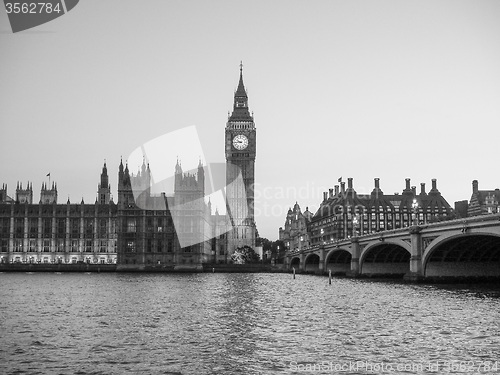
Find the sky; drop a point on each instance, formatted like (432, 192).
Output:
(364, 89)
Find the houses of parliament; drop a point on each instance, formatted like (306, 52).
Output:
(140, 229)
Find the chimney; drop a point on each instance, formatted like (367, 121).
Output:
(377, 183)
(407, 184)
(475, 187)
(414, 190)
(342, 187)
(434, 184)
(331, 192)
(349, 183)
(324, 195)
(422, 188)
(336, 189)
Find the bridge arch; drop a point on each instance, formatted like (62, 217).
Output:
(311, 263)
(295, 263)
(338, 261)
(388, 258)
(463, 255)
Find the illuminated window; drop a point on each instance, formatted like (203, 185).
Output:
(131, 226)
(130, 247)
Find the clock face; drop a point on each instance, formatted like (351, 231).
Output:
(240, 142)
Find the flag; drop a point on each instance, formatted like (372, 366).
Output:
(340, 179)
(48, 174)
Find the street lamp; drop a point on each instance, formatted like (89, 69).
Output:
(414, 206)
(355, 222)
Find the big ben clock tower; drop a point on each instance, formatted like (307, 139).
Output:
(240, 171)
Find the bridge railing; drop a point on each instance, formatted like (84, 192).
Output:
(463, 220)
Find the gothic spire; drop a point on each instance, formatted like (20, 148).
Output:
(178, 168)
(240, 107)
(240, 91)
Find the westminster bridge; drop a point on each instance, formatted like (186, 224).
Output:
(467, 247)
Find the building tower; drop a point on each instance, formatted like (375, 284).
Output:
(24, 195)
(3, 193)
(104, 189)
(129, 222)
(240, 161)
(48, 196)
(189, 213)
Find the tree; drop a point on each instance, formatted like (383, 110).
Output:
(278, 250)
(267, 246)
(264, 242)
(245, 255)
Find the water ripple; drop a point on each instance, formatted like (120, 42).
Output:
(237, 323)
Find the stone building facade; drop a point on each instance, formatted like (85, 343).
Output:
(343, 212)
(483, 202)
(48, 232)
(141, 229)
(294, 234)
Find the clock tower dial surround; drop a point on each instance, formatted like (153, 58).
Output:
(240, 147)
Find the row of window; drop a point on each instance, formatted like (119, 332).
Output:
(158, 246)
(158, 225)
(373, 218)
(45, 226)
(73, 260)
(241, 125)
(34, 246)
(364, 215)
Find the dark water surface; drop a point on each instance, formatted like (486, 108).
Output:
(242, 324)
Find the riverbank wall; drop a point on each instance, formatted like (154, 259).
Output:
(90, 267)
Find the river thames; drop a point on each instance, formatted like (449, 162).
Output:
(83, 323)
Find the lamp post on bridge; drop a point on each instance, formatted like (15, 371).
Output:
(355, 222)
(416, 248)
(354, 269)
(414, 207)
